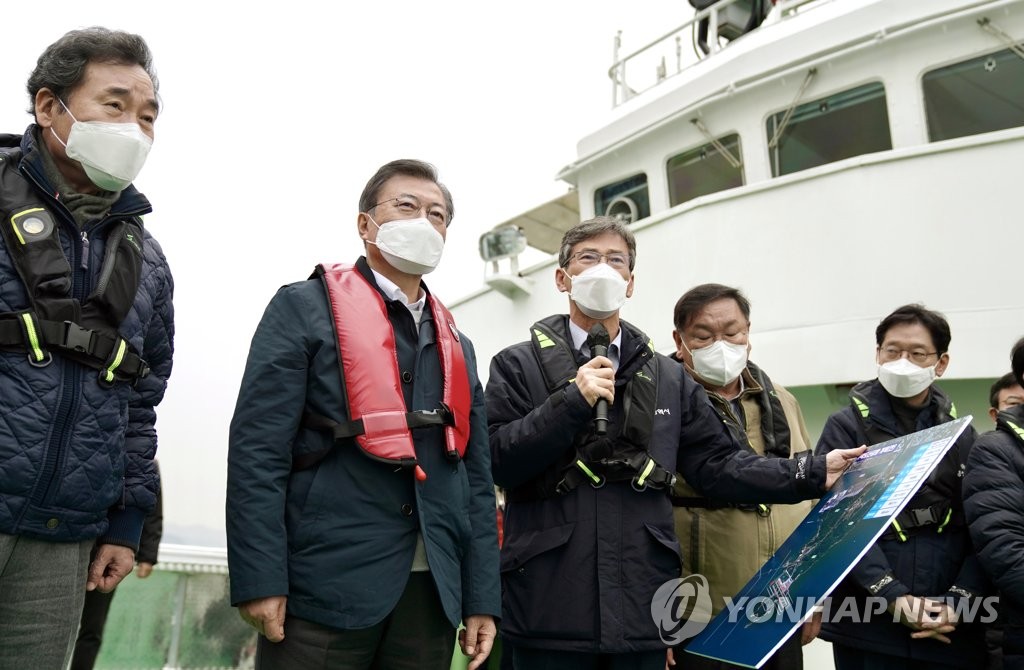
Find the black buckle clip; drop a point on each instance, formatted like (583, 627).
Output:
(923, 517)
(77, 338)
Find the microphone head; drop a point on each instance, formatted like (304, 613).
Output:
(598, 336)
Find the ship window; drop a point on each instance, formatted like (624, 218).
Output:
(976, 96)
(626, 199)
(846, 124)
(704, 170)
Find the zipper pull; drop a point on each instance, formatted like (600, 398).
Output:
(85, 251)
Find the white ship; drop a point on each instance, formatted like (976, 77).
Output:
(840, 159)
(843, 158)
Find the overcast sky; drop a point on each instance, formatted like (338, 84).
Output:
(276, 114)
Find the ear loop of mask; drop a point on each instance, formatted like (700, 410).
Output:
(54, 132)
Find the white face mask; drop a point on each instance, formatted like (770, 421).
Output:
(412, 246)
(112, 154)
(599, 291)
(721, 363)
(903, 379)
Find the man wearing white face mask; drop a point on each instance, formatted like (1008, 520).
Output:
(360, 506)
(588, 522)
(924, 563)
(728, 543)
(86, 338)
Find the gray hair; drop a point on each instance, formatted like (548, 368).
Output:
(61, 67)
(596, 227)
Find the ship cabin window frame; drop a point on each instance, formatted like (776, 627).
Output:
(970, 96)
(704, 160)
(627, 198)
(821, 143)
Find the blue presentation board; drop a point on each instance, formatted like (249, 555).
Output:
(824, 547)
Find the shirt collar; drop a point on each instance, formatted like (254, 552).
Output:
(579, 342)
(392, 292)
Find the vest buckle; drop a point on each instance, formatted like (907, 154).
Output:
(77, 338)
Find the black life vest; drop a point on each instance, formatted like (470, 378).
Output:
(596, 460)
(57, 322)
(371, 382)
(774, 426)
(937, 504)
(1010, 422)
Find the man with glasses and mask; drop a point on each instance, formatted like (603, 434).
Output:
(924, 563)
(728, 543)
(588, 426)
(360, 505)
(86, 333)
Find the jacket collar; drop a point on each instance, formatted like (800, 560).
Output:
(131, 202)
(880, 403)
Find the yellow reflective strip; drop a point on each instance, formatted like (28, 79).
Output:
(864, 411)
(899, 530)
(583, 466)
(1017, 429)
(543, 340)
(33, 338)
(118, 359)
(647, 472)
(949, 515)
(952, 411)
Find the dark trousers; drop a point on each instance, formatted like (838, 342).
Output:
(545, 659)
(415, 636)
(849, 658)
(790, 656)
(90, 630)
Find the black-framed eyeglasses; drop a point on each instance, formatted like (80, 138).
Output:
(409, 205)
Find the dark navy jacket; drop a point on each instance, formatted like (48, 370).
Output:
(928, 563)
(338, 539)
(994, 503)
(76, 459)
(579, 571)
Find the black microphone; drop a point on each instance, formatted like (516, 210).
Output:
(598, 341)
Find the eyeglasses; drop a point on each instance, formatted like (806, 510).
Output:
(589, 257)
(409, 205)
(918, 356)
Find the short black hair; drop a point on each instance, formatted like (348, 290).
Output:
(595, 227)
(933, 321)
(61, 67)
(699, 296)
(1017, 361)
(1001, 384)
(408, 167)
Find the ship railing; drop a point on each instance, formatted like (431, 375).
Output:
(656, 55)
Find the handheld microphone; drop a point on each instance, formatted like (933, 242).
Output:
(598, 341)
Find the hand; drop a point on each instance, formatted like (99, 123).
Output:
(266, 615)
(928, 618)
(811, 628)
(670, 659)
(111, 564)
(477, 638)
(836, 462)
(596, 379)
(143, 570)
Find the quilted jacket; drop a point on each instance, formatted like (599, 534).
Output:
(76, 458)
